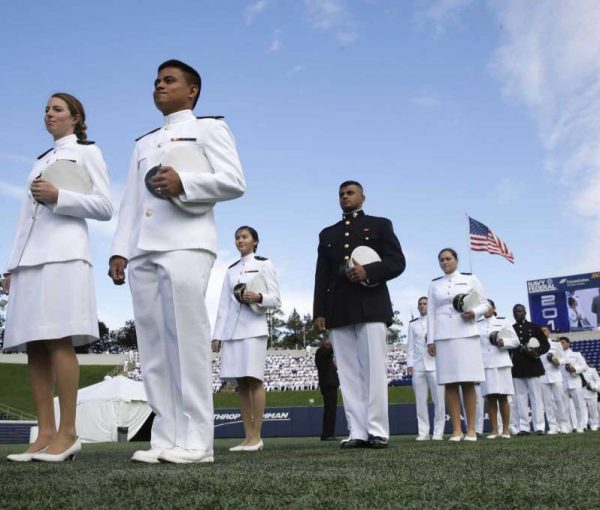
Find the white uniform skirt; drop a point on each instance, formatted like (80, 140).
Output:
(498, 381)
(459, 360)
(244, 357)
(49, 302)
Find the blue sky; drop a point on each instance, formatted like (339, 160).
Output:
(439, 107)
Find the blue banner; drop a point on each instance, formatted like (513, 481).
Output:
(566, 303)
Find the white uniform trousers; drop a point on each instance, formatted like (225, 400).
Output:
(576, 405)
(556, 414)
(514, 414)
(592, 411)
(479, 410)
(529, 387)
(423, 382)
(173, 332)
(361, 356)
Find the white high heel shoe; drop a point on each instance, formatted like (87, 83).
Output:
(23, 457)
(252, 448)
(237, 448)
(68, 454)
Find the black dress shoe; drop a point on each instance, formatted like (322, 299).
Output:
(353, 443)
(522, 433)
(539, 433)
(329, 438)
(378, 442)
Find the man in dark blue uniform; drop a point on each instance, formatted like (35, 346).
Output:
(354, 304)
(527, 372)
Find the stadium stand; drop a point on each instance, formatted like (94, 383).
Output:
(291, 370)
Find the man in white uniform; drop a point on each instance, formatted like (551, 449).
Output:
(421, 367)
(591, 388)
(552, 390)
(573, 364)
(169, 253)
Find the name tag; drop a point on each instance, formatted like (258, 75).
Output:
(183, 139)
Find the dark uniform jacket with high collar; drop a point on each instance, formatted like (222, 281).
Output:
(523, 364)
(328, 375)
(341, 301)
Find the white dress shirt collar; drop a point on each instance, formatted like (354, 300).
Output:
(180, 116)
(248, 257)
(65, 140)
(452, 275)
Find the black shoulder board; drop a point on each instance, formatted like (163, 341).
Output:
(43, 154)
(467, 274)
(145, 134)
(85, 142)
(258, 257)
(233, 264)
(414, 320)
(436, 279)
(218, 117)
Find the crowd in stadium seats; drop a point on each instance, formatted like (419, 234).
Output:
(291, 371)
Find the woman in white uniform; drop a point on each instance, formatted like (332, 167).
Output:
(497, 336)
(242, 329)
(52, 301)
(453, 338)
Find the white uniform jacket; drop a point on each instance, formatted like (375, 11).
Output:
(572, 380)
(417, 356)
(593, 380)
(147, 223)
(58, 232)
(236, 320)
(443, 321)
(496, 357)
(553, 373)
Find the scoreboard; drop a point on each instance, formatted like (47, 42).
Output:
(566, 303)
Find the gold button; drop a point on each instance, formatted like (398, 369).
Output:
(159, 145)
(366, 238)
(346, 245)
(346, 257)
(347, 223)
(167, 128)
(346, 234)
(354, 215)
(148, 213)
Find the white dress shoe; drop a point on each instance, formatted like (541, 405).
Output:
(237, 448)
(147, 456)
(68, 454)
(493, 436)
(456, 439)
(422, 438)
(470, 439)
(552, 432)
(505, 436)
(252, 447)
(182, 456)
(22, 457)
(437, 437)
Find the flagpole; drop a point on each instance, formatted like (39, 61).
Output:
(469, 243)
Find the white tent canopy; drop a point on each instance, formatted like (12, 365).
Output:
(107, 405)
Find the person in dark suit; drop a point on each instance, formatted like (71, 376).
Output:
(328, 384)
(527, 371)
(354, 304)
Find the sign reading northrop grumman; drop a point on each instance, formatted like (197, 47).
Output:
(566, 303)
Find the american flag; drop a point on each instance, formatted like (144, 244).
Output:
(483, 239)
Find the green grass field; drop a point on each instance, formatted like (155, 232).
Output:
(521, 473)
(15, 392)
